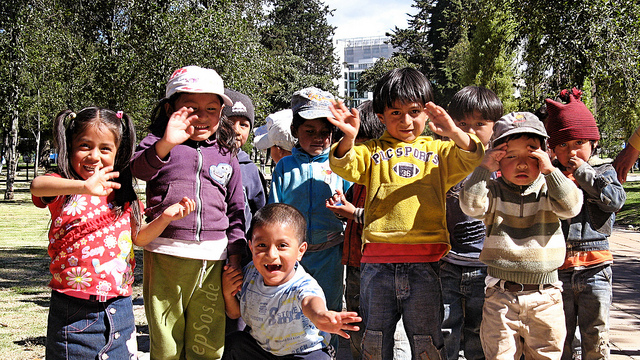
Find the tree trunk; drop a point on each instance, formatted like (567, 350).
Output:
(14, 98)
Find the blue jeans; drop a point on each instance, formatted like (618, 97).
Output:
(85, 329)
(587, 298)
(463, 296)
(241, 345)
(410, 290)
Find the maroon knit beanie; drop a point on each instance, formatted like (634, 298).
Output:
(570, 121)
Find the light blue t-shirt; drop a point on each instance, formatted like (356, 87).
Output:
(274, 313)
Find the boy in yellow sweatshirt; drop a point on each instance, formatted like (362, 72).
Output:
(405, 233)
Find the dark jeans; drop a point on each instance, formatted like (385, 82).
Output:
(463, 295)
(241, 346)
(84, 329)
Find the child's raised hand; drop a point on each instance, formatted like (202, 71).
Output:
(339, 205)
(179, 127)
(491, 159)
(544, 161)
(231, 281)
(440, 121)
(337, 322)
(347, 121)
(100, 183)
(179, 210)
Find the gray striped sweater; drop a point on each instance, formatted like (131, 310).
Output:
(524, 242)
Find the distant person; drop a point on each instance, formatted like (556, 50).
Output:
(475, 110)
(524, 244)
(586, 273)
(284, 306)
(275, 135)
(404, 233)
(190, 152)
(95, 217)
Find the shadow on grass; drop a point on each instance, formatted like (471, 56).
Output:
(24, 267)
(32, 341)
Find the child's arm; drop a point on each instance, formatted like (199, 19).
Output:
(348, 122)
(231, 285)
(442, 124)
(329, 321)
(340, 206)
(98, 184)
(475, 199)
(602, 185)
(152, 230)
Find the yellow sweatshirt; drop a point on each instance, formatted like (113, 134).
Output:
(406, 185)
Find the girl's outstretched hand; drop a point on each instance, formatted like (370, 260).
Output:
(100, 183)
(348, 121)
(179, 127)
(179, 210)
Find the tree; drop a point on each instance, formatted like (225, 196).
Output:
(300, 28)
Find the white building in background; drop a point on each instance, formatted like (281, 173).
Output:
(357, 55)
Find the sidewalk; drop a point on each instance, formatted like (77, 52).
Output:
(625, 312)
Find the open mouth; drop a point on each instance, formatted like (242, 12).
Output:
(89, 168)
(200, 127)
(273, 267)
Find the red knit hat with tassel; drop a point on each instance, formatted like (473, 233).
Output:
(570, 121)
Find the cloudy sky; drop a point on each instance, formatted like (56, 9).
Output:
(364, 18)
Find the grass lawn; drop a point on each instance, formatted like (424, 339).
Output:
(629, 215)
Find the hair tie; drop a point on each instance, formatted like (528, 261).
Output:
(71, 115)
(119, 114)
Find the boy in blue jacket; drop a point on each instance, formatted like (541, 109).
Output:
(305, 180)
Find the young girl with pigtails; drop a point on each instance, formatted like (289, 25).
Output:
(190, 152)
(95, 218)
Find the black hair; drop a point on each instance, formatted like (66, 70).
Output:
(475, 98)
(225, 135)
(68, 125)
(279, 213)
(370, 125)
(405, 85)
(526, 135)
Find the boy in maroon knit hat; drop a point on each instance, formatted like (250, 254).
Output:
(586, 272)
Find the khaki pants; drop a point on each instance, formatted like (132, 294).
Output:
(186, 320)
(529, 322)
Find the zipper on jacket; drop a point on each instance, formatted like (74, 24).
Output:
(198, 197)
(521, 201)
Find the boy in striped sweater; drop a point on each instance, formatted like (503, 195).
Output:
(524, 245)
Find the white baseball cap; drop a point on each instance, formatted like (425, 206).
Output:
(197, 80)
(276, 132)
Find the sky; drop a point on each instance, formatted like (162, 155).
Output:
(367, 18)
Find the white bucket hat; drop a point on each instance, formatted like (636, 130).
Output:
(197, 80)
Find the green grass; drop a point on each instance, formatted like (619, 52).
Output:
(628, 215)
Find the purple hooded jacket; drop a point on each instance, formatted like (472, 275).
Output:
(200, 171)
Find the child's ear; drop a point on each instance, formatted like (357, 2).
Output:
(294, 131)
(381, 118)
(302, 249)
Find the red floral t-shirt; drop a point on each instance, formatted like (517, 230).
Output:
(90, 247)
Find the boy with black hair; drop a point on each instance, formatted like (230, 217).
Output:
(283, 306)
(405, 233)
(524, 244)
(475, 110)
